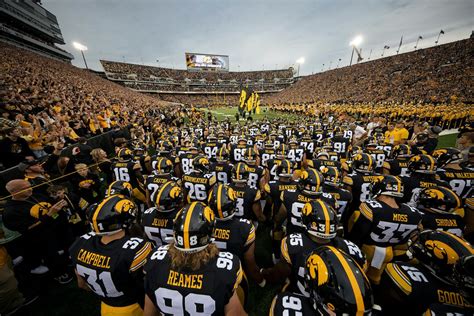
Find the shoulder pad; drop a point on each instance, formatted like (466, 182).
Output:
(366, 211)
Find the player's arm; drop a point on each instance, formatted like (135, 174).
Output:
(359, 224)
(234, 307)
(150, 309)
(282, 269)
(257, 208)
(251, 267)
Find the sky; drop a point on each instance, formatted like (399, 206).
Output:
(257, 34)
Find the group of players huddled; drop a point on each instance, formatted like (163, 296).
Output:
(357, 228)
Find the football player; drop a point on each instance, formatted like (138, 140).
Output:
(162, 172)
(340, 144)
(381, 226)
(320, 225)
(125, 169)
(257, 174)
(427, 285)
(332, 185)
(108, 261)
(185, 159)
(324, 267)
(237, 151)
(190, 276)
(397, 164)
(222, 168)
(198, 183)
(442, 210)
(157, 221)
(210, 147)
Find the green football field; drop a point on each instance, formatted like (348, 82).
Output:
(69, 300)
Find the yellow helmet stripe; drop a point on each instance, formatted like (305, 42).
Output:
(189, 214)
(461, 242)
(326, 215)
(219, 201)
(96, 213)
(352, 279)
(399, 185)
(370, 161)
(432, 162)
(159, 164)
(160, 192)
(336, 175)
(238, 170)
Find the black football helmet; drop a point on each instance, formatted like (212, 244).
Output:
(250, 156)
(363, 163)
(332, 176)
(400, 151)
(169, 197)
(222, 200)
(162, 166)
(113, 214)
(240, 173)
(438, 250)
(463, 277)
(388, 185)
(320, 219)
(201, 164)
(310, 181)
(438, 200)
(193, 227)
(337, 284)
(222, 154)
(124, 154)
(424, 164)
(446, 156)
(284, 168)
(119, 187)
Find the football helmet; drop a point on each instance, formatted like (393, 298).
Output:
(463, 277)
(124, 154)
(446, 156)
(388, 185)
(337, 284)
(240, 173)
(310, 181)
(422, 164)
(162, 166)
(284, 168)
(438, 200)
(400, 151)
(201, 164)
(331, 175)
(113, 214)
(320, 219)
(222, 200)
(119, 187)
(193, 227)
(169, 197)
(164, 148)
(250, 156)
(222, 154)
(282, 151)
(363, 163)
(438, 250)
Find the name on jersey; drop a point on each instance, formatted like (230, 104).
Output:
(239, 194)
(302, 198)
(94, 259)
(460, 175)
(221, 233)
(282, 187)
(159, 222)
(451, 298)
(400, 217)
(446, 222)
(424, 184)
(370, 178)
(190, 281)
(195, 179)
(159, 180)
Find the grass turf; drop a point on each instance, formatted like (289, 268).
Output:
(69, 300)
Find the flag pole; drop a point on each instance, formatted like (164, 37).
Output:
(400, 45)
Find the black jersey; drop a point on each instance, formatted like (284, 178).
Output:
(360, 186)
(460, 181)
(342, 197)
(379, 156)
(450, 222)
(256, 173)
(272, 165)
(235, 235)
(112, 271)
(319, 136)
(267, 154)
(295, 249)
(309, 146)
(397, 167)
(154, 182)
(237, 152)
(291, 304)
(176, 291)
(197, 186)
(126, 171)
(341, 145)
(158, 225)
(222, 170)
(296, 154)
(415, 183)
(210, 149)
(408, 289)
(274, 190)
(246, 197)
(318, 163)
(294, 201)
(185, 162)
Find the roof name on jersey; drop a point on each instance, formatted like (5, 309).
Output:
(195, 179)
(190, 281)
(159, 222)
(221, 233)
(94, 259)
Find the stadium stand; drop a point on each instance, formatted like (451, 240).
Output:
(435, 74)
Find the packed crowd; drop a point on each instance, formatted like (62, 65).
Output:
(201, 87)
(434, 74)
(44, 102)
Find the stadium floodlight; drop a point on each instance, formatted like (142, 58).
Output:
(82, 48)
(354, 43)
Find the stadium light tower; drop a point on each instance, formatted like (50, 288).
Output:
(299, 61)
(82, 48)
(354, 43)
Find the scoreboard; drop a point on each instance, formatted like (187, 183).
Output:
(207, 62)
